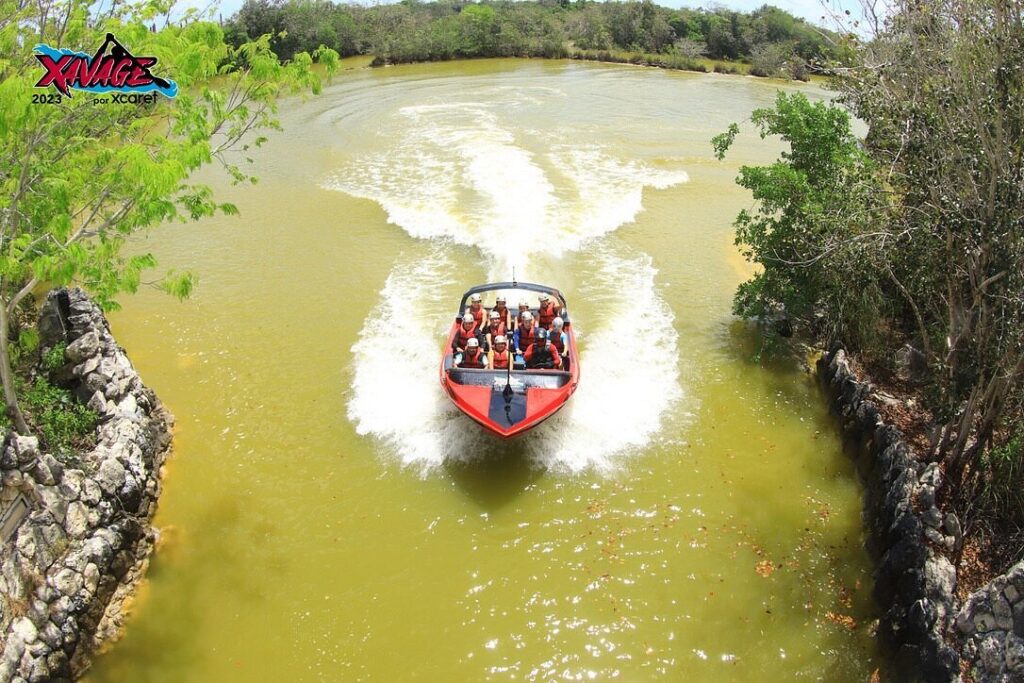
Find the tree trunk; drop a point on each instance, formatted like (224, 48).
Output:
(7, 376)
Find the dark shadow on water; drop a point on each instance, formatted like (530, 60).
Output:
(496, 476)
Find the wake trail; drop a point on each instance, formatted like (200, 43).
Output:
(460, 172)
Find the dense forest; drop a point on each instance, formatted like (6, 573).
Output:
(908, 245)
(768, 41)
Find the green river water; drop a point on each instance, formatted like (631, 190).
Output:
(327, 514)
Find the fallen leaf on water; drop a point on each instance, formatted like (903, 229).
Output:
(875, 678)
(765, 568)
(842, 619)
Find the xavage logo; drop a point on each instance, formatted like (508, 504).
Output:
(113, 69)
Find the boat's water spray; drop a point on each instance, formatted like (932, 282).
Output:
(459, 172)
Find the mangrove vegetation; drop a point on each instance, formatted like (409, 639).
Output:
(765, 42)
(909, 245)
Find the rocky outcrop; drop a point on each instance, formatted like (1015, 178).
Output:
(914, 581)
(990, 626)
(84, 535)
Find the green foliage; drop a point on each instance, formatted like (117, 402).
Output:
(78, 178)
(25, 345)
(805, 229)
(53, 359)
(1002, 490)
(423, 31)
(82, 177)
(63, 421)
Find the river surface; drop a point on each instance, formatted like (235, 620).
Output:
(327, 515)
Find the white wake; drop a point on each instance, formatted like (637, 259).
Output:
(458, 172)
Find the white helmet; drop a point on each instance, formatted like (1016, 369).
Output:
(472, 343)
(494, 315)
(474, 298)
(557, 322)
(500, 339)
(543, 296)
(526, 315)
(500, 299)
(523, 304)
(468, 318)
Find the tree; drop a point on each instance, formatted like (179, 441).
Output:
(79, 177)
(941, 88)
(810, 225)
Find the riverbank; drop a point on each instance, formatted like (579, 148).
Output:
(76, 526)
(933, 627)
(672, 62)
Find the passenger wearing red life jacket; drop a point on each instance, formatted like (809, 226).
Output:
(474, 357)
(500, 356)
(501, 308)
(495, 326)
(476, 308)
(523, 308)
(560, 340)
(557, 336)
(542, 354)
(467, 331)
(524, 333)
(546, 312)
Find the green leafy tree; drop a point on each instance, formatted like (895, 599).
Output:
(807, 230)
(78, 178)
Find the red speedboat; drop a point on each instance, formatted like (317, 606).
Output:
(513, 401)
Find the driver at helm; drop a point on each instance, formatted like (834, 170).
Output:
(542, 354)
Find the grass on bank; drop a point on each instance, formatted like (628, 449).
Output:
(53, 412)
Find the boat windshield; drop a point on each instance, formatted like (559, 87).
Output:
(520, 380)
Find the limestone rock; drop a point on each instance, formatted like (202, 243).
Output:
(984, 622)
(26, 449)
(68, 582)
(77, 520)
(91, 492)
(97, 403)
(991, 655)
(71, 484)
(1014, 647)
(86, 367)
(110, 476)
(86, 346)
(25, 629)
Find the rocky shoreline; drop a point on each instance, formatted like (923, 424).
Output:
(930, 635)
(77, 530)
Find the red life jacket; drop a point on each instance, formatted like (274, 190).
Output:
(495, 330)
(526, 337)
(472, 360)
(503, 312)
(501, 359)
(556, 341)
(478, 315)
(463, 335)
(546, 314)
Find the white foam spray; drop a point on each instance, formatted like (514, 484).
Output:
(459, 172)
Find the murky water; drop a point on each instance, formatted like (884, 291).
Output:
(328, 516)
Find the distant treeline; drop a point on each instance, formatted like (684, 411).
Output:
(771, 41)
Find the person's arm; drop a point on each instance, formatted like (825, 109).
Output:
(515, 341)
(529, 354)
(556, 358)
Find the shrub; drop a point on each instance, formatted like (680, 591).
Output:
(62, 419)
(53, 359)
(1003, 490)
